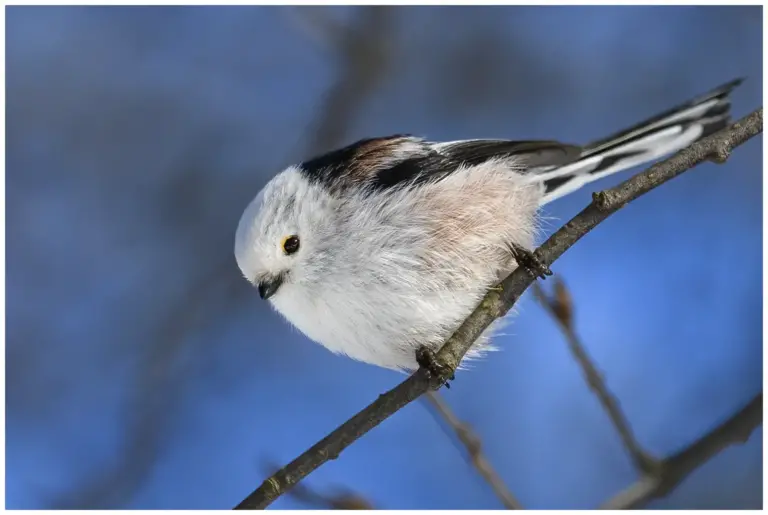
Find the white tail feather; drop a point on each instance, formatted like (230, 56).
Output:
(656, 137)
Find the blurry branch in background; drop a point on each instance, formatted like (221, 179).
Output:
(368, 33)
(341, 501)
(326, 32)
(317, 25)
(672, 470)
(362, 57)
(363, 51)
(560, 306)
(498, 301)
(347, 500)
(657, 477)
(474, 448)
(149, 417)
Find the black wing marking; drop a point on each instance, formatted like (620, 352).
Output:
(532, 153)
(379, 163)
(338, 165)
(369, 162)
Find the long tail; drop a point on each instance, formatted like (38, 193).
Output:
(663, 134)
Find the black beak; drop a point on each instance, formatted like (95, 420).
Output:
(269, 286)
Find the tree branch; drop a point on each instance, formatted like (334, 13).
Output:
(498, 301)
(560, 307)
(317, 25)
(474, 448)
(674, 469)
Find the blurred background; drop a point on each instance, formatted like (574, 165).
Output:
(143, 372)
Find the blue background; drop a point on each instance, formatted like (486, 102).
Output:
(143, 372)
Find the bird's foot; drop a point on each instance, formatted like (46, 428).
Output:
(529, 261)
(427, 361)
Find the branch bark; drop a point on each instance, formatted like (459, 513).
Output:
(499, 300)
(474, 448)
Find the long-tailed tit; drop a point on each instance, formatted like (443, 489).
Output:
(386, 245)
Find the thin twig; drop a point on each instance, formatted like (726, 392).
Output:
(674, 469)
(318, 25)
(364, 55)
(341, 501)
(498, 301)
(474, 448)
(560, 307)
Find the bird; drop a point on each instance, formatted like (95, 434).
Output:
(380, 249)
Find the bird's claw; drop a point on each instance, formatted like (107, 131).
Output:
(428, 362)
(529, 261)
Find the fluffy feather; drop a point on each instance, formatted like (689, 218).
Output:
(379, 275)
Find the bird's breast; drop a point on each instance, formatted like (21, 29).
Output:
(377, 323)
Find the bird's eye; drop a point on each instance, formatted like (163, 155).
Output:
(290, 244)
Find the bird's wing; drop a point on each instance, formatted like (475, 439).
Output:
(529, 153)
(402, 159)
